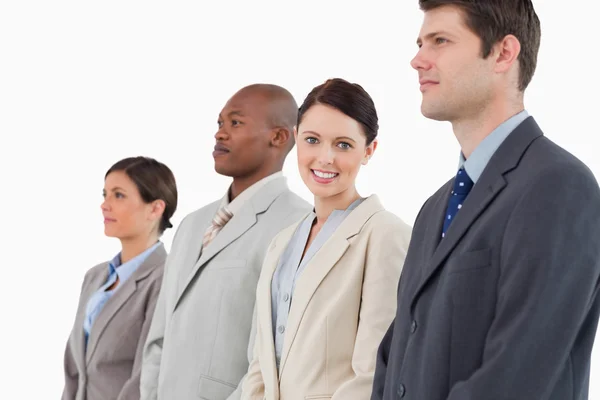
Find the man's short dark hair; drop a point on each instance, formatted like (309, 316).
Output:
(492, 20)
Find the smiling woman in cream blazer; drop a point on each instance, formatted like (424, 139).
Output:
(327, 289)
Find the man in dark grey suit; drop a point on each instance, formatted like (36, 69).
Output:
(499, 294)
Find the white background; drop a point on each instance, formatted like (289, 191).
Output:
(84, 84)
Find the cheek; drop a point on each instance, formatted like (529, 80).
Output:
(306, 156)
(130, 217)
(350, 163)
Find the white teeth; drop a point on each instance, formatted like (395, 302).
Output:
(325, 175)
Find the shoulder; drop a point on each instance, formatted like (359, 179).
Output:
(548, 170)
(201, 214)
(288, 208)
(154, 265)
(388, 227)
(96, 270)
(551, 159)
(292, 202)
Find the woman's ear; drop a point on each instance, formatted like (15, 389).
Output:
(369, 151)
(157, 208)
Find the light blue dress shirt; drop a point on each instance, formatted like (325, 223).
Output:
(291, 265)
(100, 297)
(482, 154)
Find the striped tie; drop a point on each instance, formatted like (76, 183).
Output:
(222, 216)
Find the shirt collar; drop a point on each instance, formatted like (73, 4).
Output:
(124, 271)
(237, 203)
(336, 211)
(483, 153)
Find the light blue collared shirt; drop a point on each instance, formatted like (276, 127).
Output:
(482, 154)
(115, 269)
(291, 265)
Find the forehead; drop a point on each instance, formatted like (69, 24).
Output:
(444, 19)
(253, 105)
(328, 121)
(120, 179)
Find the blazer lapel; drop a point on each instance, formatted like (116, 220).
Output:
(320, 265)
(236, 227)
(489, 185)
(79, 334)
(263, 300)
(123, 293)
(434, 230)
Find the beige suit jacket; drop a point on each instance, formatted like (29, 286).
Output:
(200, 340)
(343, 303)
(110, 367)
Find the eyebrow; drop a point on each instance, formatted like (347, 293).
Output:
(337, 138)
(115, 189)
(232, 113)
(432, 35)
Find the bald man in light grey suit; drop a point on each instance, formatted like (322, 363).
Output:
(199, 344)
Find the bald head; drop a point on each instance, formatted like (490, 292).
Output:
(255, 132)
(281, 109)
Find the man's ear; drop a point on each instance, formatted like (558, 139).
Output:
(507, 52)
(280, 137)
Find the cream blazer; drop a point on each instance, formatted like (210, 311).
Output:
(343, 303)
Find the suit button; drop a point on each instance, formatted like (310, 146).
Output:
(281, 329)
(413, 327)
(401, 391)
(286, 297)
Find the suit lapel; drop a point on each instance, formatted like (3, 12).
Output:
(123, 293)
(489, 185)
(239, 224)
(320, 265)
(79, 336)
(434, 230)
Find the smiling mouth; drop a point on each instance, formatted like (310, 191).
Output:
(323, 177)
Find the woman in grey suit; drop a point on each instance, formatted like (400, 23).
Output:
(104, 351)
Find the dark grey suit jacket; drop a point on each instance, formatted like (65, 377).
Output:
(506, 305)
(110, 367)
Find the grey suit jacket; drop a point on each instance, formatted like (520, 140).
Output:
(200, 344)
(506, 305)
(110, 367)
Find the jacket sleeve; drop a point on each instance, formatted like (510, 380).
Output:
(383, 265)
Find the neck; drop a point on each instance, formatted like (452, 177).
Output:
(242, 183)
(324, 206)
(132, 247)
(471, 130)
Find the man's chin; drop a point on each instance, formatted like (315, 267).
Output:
(433, 113)
(223, 170)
